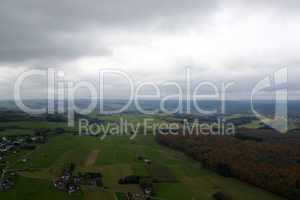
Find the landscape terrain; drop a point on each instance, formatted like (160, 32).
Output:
(174, 173)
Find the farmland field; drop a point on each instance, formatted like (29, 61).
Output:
(116, 157)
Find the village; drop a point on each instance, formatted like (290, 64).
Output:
(69, 181)
(12, 145)
(72, 182)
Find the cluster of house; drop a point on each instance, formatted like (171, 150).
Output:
(144, 159)
(131, 196)
(67, 182)
(7, 145)
(145, 184)
(12, 144)
(6, 184)
(71, 183)
(7, 181)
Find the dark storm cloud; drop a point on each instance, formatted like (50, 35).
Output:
(61, 30)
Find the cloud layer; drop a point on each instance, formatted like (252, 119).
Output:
(151, 40)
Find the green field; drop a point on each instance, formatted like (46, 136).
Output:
(116, 158)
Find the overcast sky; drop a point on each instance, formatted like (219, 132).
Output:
(220, 41)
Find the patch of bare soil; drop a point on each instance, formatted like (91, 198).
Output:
(92, 157)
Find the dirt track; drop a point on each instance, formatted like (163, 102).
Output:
(92, 157)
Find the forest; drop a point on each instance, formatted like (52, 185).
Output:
(268, 162)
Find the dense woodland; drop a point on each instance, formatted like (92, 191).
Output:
(269, 161)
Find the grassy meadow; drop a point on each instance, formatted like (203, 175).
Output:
(116, 157)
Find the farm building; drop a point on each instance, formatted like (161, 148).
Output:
(89, 178)
(6, 185)
(147, 161)
(71, 183)
(67, 182)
